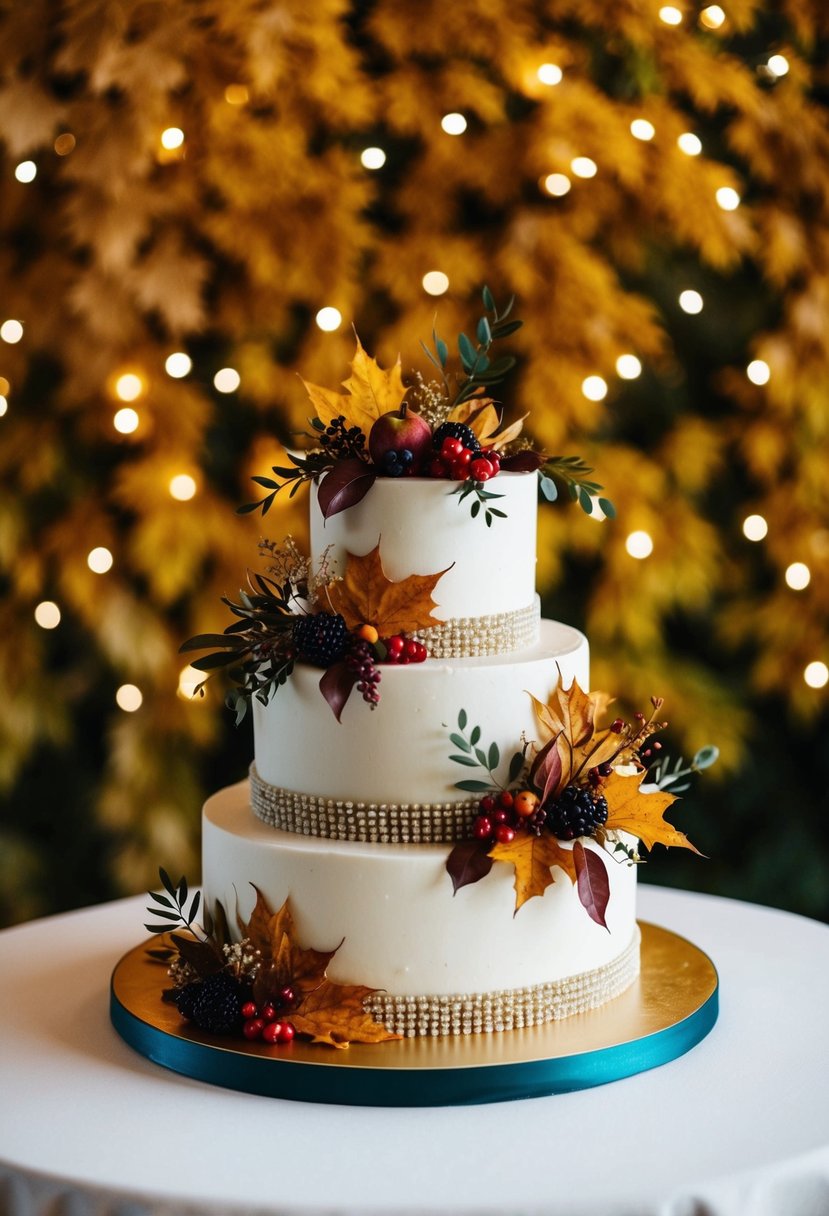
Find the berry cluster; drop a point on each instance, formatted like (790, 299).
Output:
(576, 811)
(267, 1023)
(213, 1004)
(500, 816)
(321, 638)
(362, 663)
(396, 464)
(459, 462)
(340, 441)
(404, 650)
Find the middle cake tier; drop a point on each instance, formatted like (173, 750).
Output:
(386, 774)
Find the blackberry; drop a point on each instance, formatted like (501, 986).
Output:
(576, 812)
(456, 430)
(321, 638)
(213, 1004)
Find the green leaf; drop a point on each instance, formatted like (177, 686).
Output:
(181, 894)
(467, 760)
(481, 754)
(462, 720)
(443, 351)
(705, 757)
(548, 488)
(194, 906)
(475, 735)
(475, 509)
(174, 916)
(494, 757)
(608, 508)
(467, 352)
(474, 787)
(157, 928)
(504, 328)
(166, 883)
(515, 766)
(585, 501)
(160, 899)
(460, 742)
(489, 303)
(484, 333)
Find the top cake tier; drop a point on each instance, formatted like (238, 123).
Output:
(487, 593)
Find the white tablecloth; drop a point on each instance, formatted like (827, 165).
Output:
(738, 1127)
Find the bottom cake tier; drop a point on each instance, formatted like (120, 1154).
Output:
(442, 964)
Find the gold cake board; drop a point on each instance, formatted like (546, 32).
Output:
(667, 1011)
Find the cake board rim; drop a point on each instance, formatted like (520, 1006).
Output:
(670, 1009)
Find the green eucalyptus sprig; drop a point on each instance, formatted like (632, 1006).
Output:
(478, 370)
(471, 755)
(480, 499)
(574, 472)
(302, 469)
(666, 772)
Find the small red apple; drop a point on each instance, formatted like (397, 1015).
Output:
(398, 431)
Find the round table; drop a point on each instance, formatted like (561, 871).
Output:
(738, 1125)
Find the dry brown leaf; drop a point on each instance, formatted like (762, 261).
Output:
(533, 858)
(334, 1014)
(641, 814)
(371, 391)
(365, 596)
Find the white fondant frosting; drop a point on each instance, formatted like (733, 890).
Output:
(400, 751)
(393, 909)
(423, 528)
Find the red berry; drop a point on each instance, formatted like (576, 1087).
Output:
(504, 834)
(505, 798)
(482, 827)
(487, 804)
(437, 468)
(422, 652)
(451, 447)
(494, 459)
(411, 649)
(459, 472)
(268, 1012)
(395, 646)
(287, 1033)
(272, 1032)
(249, 1010)
(481, 469)
(287, 996)
(253, 1028)
(463, 457)
(617, 726)
(502, 815)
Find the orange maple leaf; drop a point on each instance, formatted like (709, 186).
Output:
(366, 596)
(629, 809)
(335, 1014)
(371, 391)
(534, 858)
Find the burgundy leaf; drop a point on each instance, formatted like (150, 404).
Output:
(204, 957)
(468, 862)
(336, 685)
(545, 773)
(344, 485)
(591, 882)
(522, 462)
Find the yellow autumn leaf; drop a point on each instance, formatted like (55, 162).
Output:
(533, 858)
(365, 595)
(370, 392)
(641, 814)
(334, 1014)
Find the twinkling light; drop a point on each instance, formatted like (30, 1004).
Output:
(640, 128)
(26, 171)
(639, 545)
(372, 158)
(758, 371)
(435, 283)
(47, 614)
(178, 364)
(4, 405)
(727, 198)
(182, 487)
(237, 94)
(129, 698)
(798, 576)
(689, 143)
(594, 388)
(583, 166)
(226, 380)
(172, 137)
(712, 17)
(557, 184)
(550, 73)
(628, 367)
(816, 674)
(329, 319)
(453, 124)
(690, 302)
(188, 681)
(755, 527)
(778, 65)
(129, 387)
(11, 331)
(126, 420)
(670, 15)
(99, 560)
(64, 144)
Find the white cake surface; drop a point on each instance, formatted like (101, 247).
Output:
(423, 528)
(392, 907)
(399, 752)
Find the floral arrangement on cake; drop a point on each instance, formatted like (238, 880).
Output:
(579, 781)
(265, 986)
(447, 428)
(347, 625)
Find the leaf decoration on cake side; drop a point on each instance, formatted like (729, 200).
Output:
(468, 862)
(592, 882)
(641, 812)
(370, 392)
(365, 595)
(343, 486)
(533, 858)
(335, 1014)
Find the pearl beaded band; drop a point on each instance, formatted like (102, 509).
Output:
(367, 822)
(465, 637)
(509, 1009)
